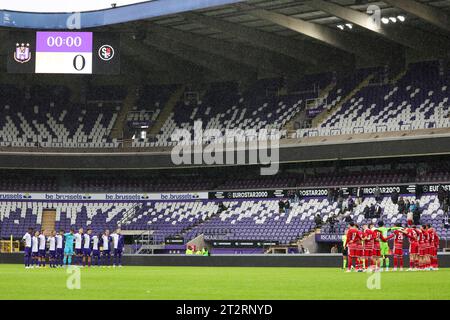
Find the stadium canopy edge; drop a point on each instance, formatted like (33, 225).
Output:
(104, 17)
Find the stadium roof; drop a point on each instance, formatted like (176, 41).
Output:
(286, 36)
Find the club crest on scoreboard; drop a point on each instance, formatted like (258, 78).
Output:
(22, 54)
(106, 52)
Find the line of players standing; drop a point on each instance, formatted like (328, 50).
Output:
(370, 249)
(81, 248)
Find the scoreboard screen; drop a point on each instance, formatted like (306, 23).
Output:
(64, 53)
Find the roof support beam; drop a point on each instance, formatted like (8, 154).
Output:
(223, 67)
(260, 59)
(164, 63)
(433, 15)
(351, 43)
(413, 38)
(310, 53)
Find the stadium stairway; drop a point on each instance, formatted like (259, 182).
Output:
(131, 213)
(48, 219)
(399, 76)
(300, 114)
(166, 111)
(128, 103)
(326, 113)
(186, 230)
(308, 241)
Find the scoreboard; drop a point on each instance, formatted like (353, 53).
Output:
(64, 53)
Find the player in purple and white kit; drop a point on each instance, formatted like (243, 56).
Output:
(52, 249)
(87, 248)
(60, 248)
(96, 248)
(118, 243)
(106, 249)
(42, 248)
(78, 247)
(27, 252)
(35, 249)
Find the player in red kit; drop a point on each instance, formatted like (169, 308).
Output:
(369, 241)
(427, 246)
(423, 248)
(412, 235)
(360, 250)
(434, 246)
(398, 235)
(352, 240)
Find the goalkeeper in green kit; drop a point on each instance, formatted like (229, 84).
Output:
(385, 251)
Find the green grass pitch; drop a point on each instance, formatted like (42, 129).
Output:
(216, 283)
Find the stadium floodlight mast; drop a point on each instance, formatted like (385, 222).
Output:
(236, 146)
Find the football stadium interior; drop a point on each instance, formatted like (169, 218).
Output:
(225, 134)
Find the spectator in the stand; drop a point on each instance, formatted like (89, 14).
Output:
(412, 207)
(394, 197)
(366, 212)
(378, 211)
(334, 249)
(318, 220)
(287, 207)
(280, 206)
(401, 206)
(359, 195)
(407, 206)
(296, 197)
(416, 214)
(350, 203)
(330, 195)
(446, 221)
(301, 249)
(377, 194)
(372, 211)
(448, 197)
(441, 195)
(335, 194)
(340, 194)
(331, 220)
(445, 205)
(340, 204)
(348, 219)
(222, 207)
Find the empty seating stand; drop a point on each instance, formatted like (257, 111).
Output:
(243, 220)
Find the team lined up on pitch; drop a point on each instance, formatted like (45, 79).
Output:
(369, 247)
(81, 248)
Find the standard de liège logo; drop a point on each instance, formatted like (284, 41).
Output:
(106, 52)
(22, 53)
